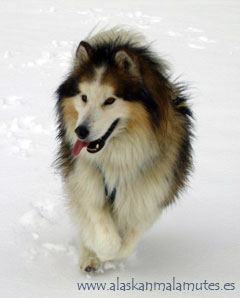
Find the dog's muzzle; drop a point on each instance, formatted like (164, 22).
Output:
(97, 145)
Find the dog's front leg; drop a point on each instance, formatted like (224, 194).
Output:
(97, 228)
(99, 233)
(92, 213)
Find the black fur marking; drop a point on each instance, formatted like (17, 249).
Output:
(126, 65)
(184, 163)
(181, 106)
(184, 166)
(87, 47)
(112, 195)
(68, 88)
(104, 53)
(65, 160)
(106, 190)
(141, 94)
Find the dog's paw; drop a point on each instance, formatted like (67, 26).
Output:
(90, 265)
(89, 262)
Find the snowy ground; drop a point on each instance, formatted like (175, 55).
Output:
(196, 240)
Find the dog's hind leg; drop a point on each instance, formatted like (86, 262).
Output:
(129, 243)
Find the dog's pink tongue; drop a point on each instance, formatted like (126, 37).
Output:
(78, 147)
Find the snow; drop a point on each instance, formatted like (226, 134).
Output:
(195, 240)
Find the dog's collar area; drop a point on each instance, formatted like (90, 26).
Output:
(111, 196)
(108, 194)
(97, 145)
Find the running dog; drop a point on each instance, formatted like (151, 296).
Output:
(125, 132)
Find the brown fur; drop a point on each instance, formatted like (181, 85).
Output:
(70, 114)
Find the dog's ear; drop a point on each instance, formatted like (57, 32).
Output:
(126, 63)
(84, 52)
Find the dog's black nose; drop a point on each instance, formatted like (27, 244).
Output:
(82, 131)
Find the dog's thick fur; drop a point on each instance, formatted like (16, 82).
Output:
(117, 193)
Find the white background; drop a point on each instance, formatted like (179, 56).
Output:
(196, 239)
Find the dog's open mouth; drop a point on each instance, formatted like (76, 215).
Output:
(94, 146)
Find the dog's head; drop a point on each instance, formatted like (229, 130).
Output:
(104, 96)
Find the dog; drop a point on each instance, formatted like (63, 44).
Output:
(125, 142)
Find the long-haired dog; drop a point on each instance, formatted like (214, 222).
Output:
(125, 135)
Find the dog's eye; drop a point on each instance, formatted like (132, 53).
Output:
(109, 101)
(84, 98)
